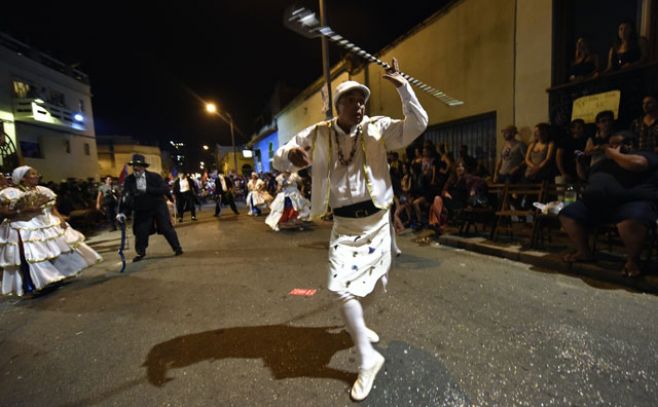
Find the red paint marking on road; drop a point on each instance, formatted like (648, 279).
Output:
(305, 292)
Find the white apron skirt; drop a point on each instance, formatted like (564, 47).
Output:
(359, 253)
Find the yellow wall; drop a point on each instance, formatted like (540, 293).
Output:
(467, 51)
(112, 164)
(533, 63)
(227, 162)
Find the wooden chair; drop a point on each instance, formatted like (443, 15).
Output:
(544, 224)
(470, 217)
(516, 192)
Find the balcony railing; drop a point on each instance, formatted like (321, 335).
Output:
(634, 83)
(33, 110)
(44, 59)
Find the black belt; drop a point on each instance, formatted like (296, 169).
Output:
(357, 210)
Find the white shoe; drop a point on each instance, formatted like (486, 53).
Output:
(372, 335)
(364, 382)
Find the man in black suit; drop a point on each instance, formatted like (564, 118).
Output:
(185, 190)
(224, 194)
(143, 193)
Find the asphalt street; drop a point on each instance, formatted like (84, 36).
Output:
(217, 326)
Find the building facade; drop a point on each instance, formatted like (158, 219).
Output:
(46, 111)
(506, 59)
(114, 153)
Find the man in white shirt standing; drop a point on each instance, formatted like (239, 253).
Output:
(350, 173)
(185, 192)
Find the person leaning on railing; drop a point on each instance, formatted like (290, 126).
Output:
(628, 50)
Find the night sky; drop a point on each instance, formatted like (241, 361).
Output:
(149, 64)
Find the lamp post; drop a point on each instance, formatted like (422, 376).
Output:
(211, 108)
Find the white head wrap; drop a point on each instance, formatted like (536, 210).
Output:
(18, 173)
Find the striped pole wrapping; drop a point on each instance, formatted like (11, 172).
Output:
(304, 22)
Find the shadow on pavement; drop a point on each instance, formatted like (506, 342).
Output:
(286, 350)
(413, 377)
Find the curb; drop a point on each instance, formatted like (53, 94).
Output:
(552, 261)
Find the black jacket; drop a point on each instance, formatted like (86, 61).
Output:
(132, 199)
(190, 181)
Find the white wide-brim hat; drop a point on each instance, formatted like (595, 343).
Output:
(347, 86)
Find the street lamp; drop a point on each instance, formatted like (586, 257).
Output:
(212, 109)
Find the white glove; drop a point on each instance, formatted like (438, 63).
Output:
(121, 218)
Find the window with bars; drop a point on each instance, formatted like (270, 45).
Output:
(478, 133)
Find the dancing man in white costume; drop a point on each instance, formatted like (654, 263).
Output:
(350, 173)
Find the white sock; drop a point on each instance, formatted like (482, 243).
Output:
(356, 326)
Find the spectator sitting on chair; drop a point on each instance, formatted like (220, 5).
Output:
(567, 150)
(622, 189)
(469, 161)
(427, 186)
(444, 166)
(462, 190)
(595, 145)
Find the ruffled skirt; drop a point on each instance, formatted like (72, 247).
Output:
(300, 210)
(51, 253)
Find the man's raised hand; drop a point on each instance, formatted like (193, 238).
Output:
(299, 157)
(393, 74)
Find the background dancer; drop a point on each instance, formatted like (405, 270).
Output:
(348, 157)
(289, 209)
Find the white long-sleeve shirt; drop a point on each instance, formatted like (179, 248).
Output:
(366, 177)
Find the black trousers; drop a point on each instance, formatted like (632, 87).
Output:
(111, 213)
(145, 222)
(186, 199)
(226, 198)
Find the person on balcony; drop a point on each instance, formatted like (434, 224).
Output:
(629, 49)
(585, 64)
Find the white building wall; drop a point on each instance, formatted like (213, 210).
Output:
(56, 164)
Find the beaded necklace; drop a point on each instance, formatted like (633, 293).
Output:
(341, 157)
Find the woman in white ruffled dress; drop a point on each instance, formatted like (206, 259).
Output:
(289, 209)
(258, 197)
(37, 246)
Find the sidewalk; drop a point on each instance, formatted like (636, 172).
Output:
(605, 270)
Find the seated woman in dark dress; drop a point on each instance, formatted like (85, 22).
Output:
(629, 49)
(461, 191)
(622, 189)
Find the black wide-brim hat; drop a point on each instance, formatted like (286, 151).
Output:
(138, 159)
